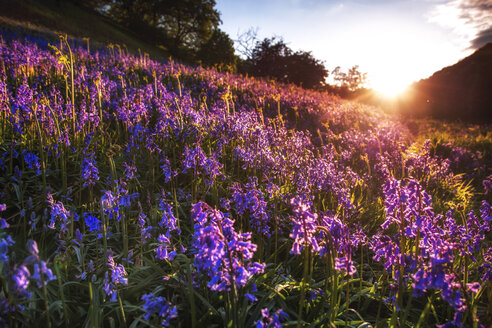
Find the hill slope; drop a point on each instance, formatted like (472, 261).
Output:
(461, 91)
(54, 17)
(135, 192)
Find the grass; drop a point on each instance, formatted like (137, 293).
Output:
(64, 17)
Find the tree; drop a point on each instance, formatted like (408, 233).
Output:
(269, 59)
(246, 42)
(188, 23)
(274, 59)
(305, 70)
(218, 50)
(180, 26)
(352, 80)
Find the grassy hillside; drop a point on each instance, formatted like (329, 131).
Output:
(143, 193)
(54, 17)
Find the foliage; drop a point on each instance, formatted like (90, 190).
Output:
(272, 58)
(181, 26)
(218, 51)
(352, 80)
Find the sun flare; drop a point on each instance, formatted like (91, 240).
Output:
(391, 78)
(390, 87)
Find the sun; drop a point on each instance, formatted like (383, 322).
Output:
(389, 85)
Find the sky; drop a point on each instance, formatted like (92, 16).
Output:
(394, 42)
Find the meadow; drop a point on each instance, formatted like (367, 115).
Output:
(137, 192)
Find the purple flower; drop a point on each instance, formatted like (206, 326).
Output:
(92, 222)
(114, 277)
(42, 274)
(251, 201)
(168, 221)
(142, 223)
(3, 223)
(21, 281)
(110, 204)
(487, 184)
(486, 212)
(345, 264)
(90, 173)
(130, 171)
(273, 320)
(222, 254)
(113, 202)
(164, 310)
(166, 170)
(5, 243)
(32, 161)
(304, 227)
(165, 251)
(194, 158)
(32, 248)
(58, 214)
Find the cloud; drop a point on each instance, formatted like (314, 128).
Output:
(470, 20)
(482, 38)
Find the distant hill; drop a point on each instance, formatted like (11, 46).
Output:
(459, 92)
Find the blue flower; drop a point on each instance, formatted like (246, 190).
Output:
(58, 214)
(90, 173)
(169, 221)
(5, 243)
(159, 305)
(116, 276)
(304, 227)
(32, 161)
(271, 320)
(21, 281)
(42, 274)
(222, 254)
(165, 251)
(92, 222)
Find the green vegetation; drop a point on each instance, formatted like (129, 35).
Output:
(53, 17)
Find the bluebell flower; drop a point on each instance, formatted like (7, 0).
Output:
(58, 214)
(146, 231)
(168, 221)
(165, 251)
(271, 320)
(89, 171)
(304, 227)
(42, 274)
(159, 306)
(168, 172)
(130, 171)
(21, 281)
(3, 223)
(92, 222)
(222, 254)
(5, 243)
(114, 277)
(32, 247)
(32, 161)
(251, 201)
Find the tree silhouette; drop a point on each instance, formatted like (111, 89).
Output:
(218, 51)
(272, 58)
(352, 80)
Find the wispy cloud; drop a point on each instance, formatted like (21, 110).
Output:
(470, 20)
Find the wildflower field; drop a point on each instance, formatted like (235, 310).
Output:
(141, 193)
